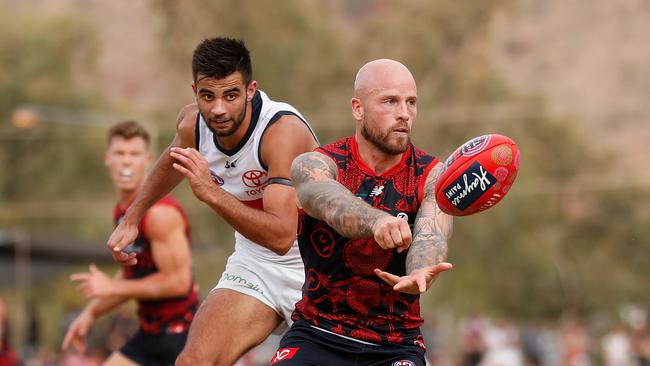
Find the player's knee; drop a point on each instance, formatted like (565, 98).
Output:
(190, 357)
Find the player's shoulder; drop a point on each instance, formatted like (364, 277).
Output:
(288, 122)
(166, 210)
(287, 131)
(162, 218)
(425, 163)
(187, 116)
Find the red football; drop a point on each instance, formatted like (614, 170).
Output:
(477, 175)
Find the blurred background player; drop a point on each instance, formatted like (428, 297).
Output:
(235, 147)
(161, 281)
(7, 356)
(364, 268)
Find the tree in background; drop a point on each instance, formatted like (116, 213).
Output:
(39, 64)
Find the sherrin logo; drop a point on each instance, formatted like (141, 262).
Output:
(475, 145)
(468, 149)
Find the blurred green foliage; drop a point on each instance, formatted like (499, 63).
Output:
(39, 64)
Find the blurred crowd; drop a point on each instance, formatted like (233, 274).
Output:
(476, 340)
(572, 342)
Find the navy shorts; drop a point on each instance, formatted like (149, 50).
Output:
(159, 349)
(306, 346)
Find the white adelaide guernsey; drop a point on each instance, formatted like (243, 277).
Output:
(240, 171)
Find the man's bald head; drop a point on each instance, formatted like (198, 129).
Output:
(381, 74)
(384, 106)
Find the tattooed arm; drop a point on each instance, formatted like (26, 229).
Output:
(431, 231)
(425, 259)
(322, 197)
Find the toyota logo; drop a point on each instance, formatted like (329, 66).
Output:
(253, 178)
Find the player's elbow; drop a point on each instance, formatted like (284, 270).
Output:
(283, 247)
(282, 244)
(180, 284)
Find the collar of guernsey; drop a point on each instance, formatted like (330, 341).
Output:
(240, 171)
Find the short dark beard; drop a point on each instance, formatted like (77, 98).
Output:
(236, 122)
(381, 141)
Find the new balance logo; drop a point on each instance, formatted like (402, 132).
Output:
(284, 354)
(376, 191)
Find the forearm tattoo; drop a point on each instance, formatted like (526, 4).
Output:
(322, 197)
(431, 231)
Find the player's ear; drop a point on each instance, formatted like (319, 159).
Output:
(194, 88)
(357, 109)
(250, 90)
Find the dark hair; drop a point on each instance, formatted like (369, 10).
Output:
(128, 130)
(219, 57)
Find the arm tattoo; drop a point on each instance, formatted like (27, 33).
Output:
(322, 197)
(432, 230)
(311, 167)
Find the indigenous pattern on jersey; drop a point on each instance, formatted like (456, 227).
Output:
(171, 315)
(341, 293)
(240, 171)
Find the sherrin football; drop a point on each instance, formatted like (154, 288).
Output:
(477, 175)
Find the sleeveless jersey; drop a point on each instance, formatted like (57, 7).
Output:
(341, 293)
(241, 172)
(171, 315)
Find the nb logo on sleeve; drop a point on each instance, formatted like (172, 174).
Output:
(284, 354)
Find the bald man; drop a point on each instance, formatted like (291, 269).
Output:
(365, 269)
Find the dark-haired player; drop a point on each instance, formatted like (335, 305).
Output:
(161, 282)
(235, 147)
(364, 269)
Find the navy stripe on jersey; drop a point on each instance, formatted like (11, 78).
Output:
(197, 131)
(274, 119)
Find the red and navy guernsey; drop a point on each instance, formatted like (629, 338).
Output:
(341, 293)
(170, 315)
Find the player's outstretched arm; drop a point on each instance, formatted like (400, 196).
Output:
(171, 254)
(76, 334)
(322, 197)
(162, 179)
(274, 227)
(428, 252)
